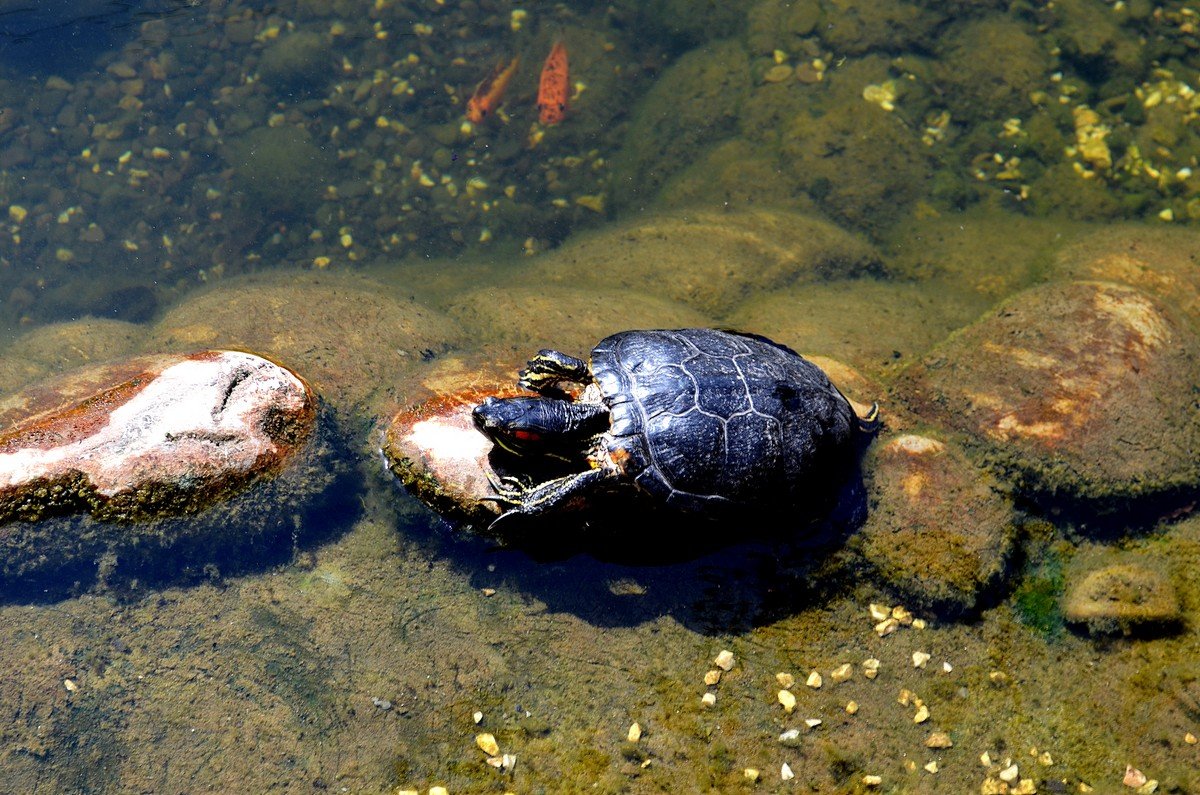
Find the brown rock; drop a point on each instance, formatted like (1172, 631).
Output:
(567, 318)
(439, 456)
(876, 326)
(1156, 260)
(78, 342)
(1123, 596)
(938, 531)
(350, 336)
(122, 460)
(1076, 391)
(706, 259)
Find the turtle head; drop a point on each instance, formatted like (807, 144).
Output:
(537, 425)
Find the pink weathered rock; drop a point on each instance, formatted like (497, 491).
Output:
(1077, 391)
(119, 460)
(168, 438)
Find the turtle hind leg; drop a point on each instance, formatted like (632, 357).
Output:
(553, 495)
(549, 368)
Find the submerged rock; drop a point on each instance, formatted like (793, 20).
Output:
(1077, 392)
(1125, 596)
(708, 260)
(125, 460)
(349, 335)
(938, 531)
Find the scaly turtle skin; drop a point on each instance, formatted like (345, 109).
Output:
(699, 419)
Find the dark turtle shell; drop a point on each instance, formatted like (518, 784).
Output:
(703, 419)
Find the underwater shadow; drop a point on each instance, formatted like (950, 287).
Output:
(264, 526)
(621, 567)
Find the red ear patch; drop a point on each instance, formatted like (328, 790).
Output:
(527, 436)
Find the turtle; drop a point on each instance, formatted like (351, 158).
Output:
(702, 421)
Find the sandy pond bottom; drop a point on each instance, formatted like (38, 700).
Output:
(361, 667)
(373, 662)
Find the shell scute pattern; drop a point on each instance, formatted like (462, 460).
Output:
(700, 416)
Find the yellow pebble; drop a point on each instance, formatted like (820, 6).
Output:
(17, 213)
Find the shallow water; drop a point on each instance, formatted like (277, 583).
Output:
(153, 154)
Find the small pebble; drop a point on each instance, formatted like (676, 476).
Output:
(477, 717)
(1024, 787)
(939, 740)
(438, 791)
(922, 714)
(812, 723)
(872, 781)
(919, 659)
(382, 703)
(785, 679)
(886, 627)
(712, 677)
(70, 685)
(487, 743)
(1009, 774)
(842, 673)
(879, 612)
(708, 699)
(635, 733)
(785, 772)
(932, 767)
(947, 667)
(751, 774)
(790, 737)
(870, 668)
(724, 660)
(814, 680)
(1189, 738)
(787, 700)
(1134, 777)
(488, 591)
(851, 707)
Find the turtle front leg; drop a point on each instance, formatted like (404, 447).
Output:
(549, 368)
(545, 497)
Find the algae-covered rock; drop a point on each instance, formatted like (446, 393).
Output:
(938, 531)
(734, 174)
(349, 335)
(708, 260)
(295, 61)
(694, 103)
(979, 257)
(1076, 391)
(1128, 594)
(862, 164)
(78, 342)
(569, 318)
(686, 22)
(876, 326)
(974, 87)
(280, 169)
(873, 25)
(156, 455)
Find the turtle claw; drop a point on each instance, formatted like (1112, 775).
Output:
(510, 489)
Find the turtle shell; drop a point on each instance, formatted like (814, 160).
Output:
(703, 419)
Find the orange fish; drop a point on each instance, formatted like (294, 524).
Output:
(490, 92)
(554, 86)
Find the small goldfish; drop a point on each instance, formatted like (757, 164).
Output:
(490, 91)
(554, 86)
